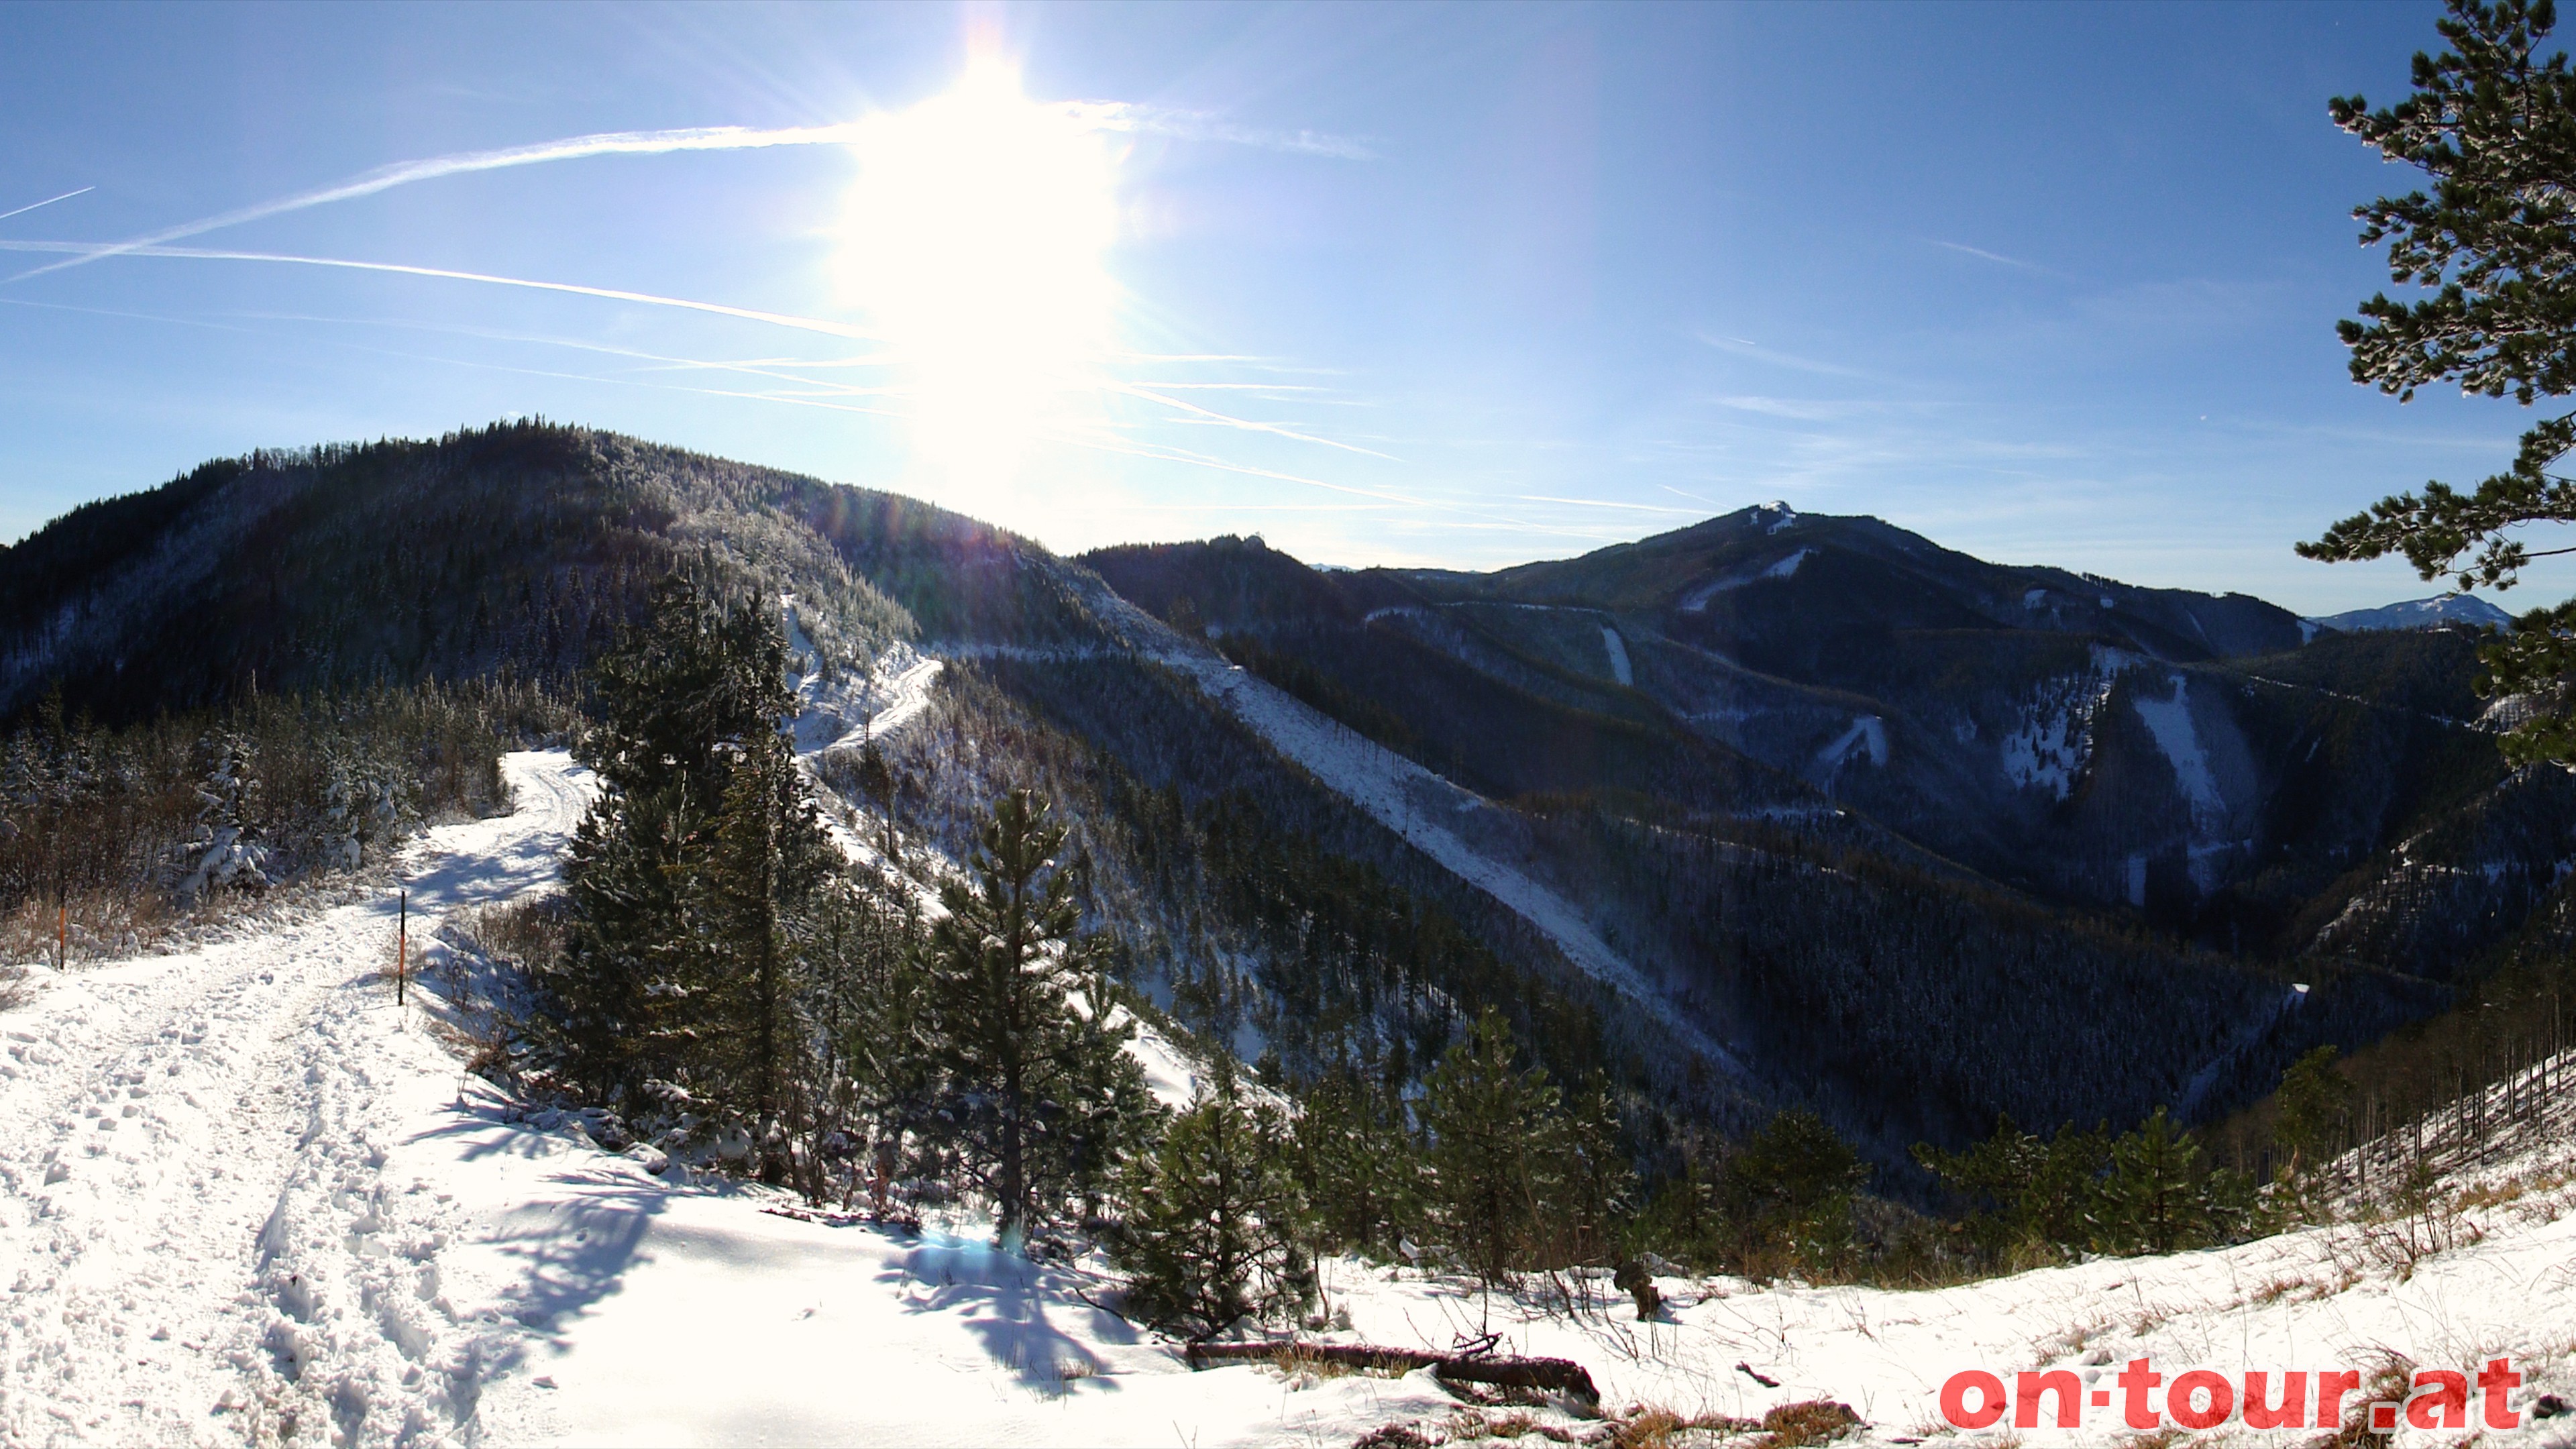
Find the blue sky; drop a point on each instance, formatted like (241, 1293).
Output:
(1396, 284)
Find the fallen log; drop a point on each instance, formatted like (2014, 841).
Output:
(1561, 1375)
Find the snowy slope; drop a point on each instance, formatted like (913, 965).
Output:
(203, 1229)
(244, 1189)
(886, 698)
(838, 707)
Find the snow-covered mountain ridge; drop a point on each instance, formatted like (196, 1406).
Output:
(1774, 823)
(2421, 614)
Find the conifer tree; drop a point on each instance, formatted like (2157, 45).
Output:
(1213, 1216)
(1789, 1188)
(2494, 126)
(2310, 1104)
(1358, 1163)
(675, 703)
(1597, 1181)
(227, 817)
(1498, 1147)
(2024, 1193)
(1033, 1084)
(2152, 1201)
(768, 866)
(875, 780)
(869, 1008)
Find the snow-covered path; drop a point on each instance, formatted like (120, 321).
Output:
(196, 1230)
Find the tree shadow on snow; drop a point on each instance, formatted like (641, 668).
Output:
(573, 1252)
(573, 1240)
(1004, 1300)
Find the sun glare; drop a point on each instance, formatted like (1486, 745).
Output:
(975, 241)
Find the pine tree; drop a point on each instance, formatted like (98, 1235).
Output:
(756, 890)
(2495, 127)
(676, 702)
(2026, 1195)
(1034, 1087)
(1358, 1163)
(1213, 1214)
(2310, 1106)
(1499, 1147)
(2152, 1201)
(1789, 1188)
(1101, 1117)
(875, 780)
(224, 848)
(1596, 1182)
(867, 1000)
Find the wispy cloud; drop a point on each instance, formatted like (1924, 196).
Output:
(1999, 257)
(1200, 126)
(1799, 409)
(1210, 415)
(1606, 503)
(1745, 347)
(48, 201)
(779, 319)
(1229, 386)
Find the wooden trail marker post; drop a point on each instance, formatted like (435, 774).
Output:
(402, 944)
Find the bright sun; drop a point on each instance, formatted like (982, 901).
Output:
(975, 239)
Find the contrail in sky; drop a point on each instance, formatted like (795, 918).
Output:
(403, 173)
(778, 319)
(48, 201)
(1104, 115)
(146, 249)
(1231, 421)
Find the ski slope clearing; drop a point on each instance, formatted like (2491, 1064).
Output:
(1413, 802)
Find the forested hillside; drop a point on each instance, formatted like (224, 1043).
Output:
(1893, 834)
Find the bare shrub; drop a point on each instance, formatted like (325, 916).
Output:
(2418, 1218)
(98, 924)
(484, 979)
(2389, 1380)
(1812, 1421)
(519, 935)
(1655, 1427)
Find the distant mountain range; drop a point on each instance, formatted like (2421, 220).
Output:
(1779, 807)
(2430, 613)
